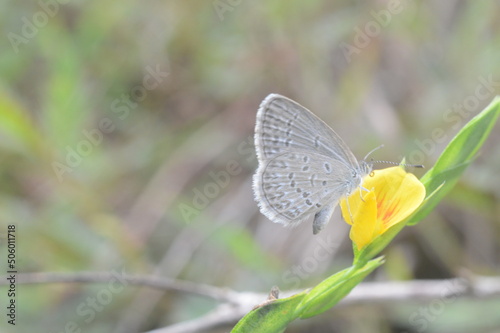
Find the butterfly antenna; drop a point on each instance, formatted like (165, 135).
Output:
(371, 151)
(401, 164)
(390, 162)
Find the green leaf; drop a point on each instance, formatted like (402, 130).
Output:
(447, 180)
(275, 316)
(330, 291)
(456, 157)
(270, 318)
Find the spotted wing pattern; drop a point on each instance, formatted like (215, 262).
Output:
(304, 166)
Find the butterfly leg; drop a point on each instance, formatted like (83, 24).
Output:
(349, 209)
(361, 188)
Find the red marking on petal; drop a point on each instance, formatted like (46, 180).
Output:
(380, 202)
(388, 213)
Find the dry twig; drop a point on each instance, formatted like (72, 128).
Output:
(237, 304)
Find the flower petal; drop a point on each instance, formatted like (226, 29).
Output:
(365, 224)
(393, 194)
(355, 206)
(398, 194)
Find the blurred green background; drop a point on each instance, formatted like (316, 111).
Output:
(126, 143)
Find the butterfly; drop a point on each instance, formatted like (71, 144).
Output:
(305, 168)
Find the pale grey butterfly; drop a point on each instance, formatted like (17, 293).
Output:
(305, 168)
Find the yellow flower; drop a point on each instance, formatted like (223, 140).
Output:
(393, 195)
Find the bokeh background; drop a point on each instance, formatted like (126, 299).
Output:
(126, 144)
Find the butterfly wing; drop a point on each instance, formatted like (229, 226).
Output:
(304, 166)
(284, 125)
(294, 186)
